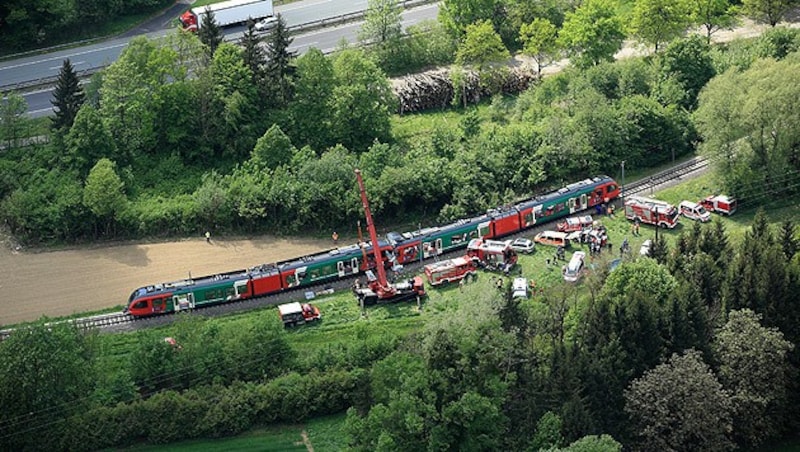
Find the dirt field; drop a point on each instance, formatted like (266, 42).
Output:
(65, 282)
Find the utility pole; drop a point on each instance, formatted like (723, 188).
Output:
(623, 184)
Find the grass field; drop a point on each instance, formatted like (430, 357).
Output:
(322, 434)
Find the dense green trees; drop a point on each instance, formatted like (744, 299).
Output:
(746, 123)
(655, 22)
(680, 405)
(592, 33)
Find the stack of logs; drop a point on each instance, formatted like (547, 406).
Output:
(434, 89)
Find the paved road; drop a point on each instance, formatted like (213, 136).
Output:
(325, 39)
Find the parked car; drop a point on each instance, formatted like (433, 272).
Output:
(519, 288)
(552, 238)
(573, 270)
(522, 245)
(644, 250)
(694, 211)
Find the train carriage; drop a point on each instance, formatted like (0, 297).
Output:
(189, 293)
(329, 265)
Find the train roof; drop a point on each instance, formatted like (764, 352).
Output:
(446, 264)
(398, 238)
(575, 187)
(201, 281)
(335, 254)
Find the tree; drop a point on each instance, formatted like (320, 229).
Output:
(767, 11)
(548, 432)
(280, 71)
(593, 443)
(382, 25)
(657, 21)
(689, 62)
(58, 354)
(88, 141)
(253, 54)
(13, 123)
(592, 33)
(209, 33)
(680, 405)
(755, 370)
(457, 15)
(103, 193)
(67, 97)
(310, 107)
(745, 120)
(539, 42)
(483, 49)
(713, 15)
(361, 103)
(788, 241)
(273, 149)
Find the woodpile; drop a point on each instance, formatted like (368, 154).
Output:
(434, 89)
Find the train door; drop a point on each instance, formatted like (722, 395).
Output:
(584, 204)
(240, 289)
(571, 204)
(484, 229)
(158, 305)
(354, 265)
(439, 248)
(183, 301)
(340, 268)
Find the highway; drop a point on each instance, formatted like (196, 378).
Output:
(101, 54)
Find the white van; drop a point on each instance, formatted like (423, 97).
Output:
(694, 211)
(572, 272)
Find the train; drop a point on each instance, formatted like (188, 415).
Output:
(397, 248)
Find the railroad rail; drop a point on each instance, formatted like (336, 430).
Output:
(121, 322)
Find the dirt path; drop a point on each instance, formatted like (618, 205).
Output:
(65, 282)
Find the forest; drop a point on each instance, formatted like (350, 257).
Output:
(694, 348)
(180, 136)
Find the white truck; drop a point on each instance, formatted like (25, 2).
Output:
(227, 13)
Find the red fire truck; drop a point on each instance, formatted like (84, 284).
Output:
(719, 204)
(651, 211)
(493, 254)
(451, 270)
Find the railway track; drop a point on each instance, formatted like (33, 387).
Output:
(120, 322)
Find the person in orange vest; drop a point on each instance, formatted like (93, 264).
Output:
(335, 237)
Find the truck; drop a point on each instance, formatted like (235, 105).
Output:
(719, 204)
(651, 211)
(297, 314)
(450, 270)
(231, 12)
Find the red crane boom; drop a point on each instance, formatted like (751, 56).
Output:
(383, 283)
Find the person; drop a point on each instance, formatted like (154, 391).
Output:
(499, 283)
(208, 237)
(335, 237)
(461, 284)
(611, 210)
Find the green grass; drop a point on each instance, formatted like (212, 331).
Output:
(323, 434)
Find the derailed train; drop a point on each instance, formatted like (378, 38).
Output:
(342, 262)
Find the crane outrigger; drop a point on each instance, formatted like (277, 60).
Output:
(379, 289)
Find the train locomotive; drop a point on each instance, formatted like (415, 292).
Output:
(398, 248)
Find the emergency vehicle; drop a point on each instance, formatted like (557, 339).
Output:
(493, 254)
(651, 211)
(297, 314)
(450, 270)
(719, 204)
(573, 224)
(694, 211)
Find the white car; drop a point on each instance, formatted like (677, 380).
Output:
(573, 270)
(519, 288)
(266, 24)
(522, 245)
(694, 211)
(645, 248)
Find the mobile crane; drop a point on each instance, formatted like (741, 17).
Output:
(378, 289)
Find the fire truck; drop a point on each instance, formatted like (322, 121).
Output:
(651, 211)
(450, 270)
(493, 254)
(719, 204)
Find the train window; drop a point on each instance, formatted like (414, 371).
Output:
(611, 188)
(141, 304)
(158, 302)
